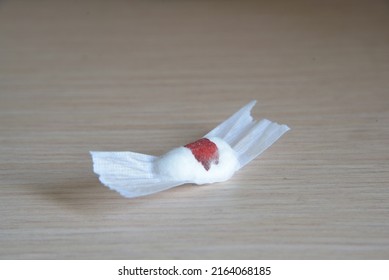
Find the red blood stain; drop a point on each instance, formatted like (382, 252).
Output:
(205, 151)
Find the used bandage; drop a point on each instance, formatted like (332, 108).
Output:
(213, 158)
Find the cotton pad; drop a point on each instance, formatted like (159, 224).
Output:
(213, 158)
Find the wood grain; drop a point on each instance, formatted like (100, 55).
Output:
(147, 76)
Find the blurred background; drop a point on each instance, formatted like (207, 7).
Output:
(147, 76)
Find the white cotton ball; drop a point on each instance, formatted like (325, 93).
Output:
(180, 164)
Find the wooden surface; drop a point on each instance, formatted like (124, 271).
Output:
(147, 76)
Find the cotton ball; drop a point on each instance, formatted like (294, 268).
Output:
(180, 164)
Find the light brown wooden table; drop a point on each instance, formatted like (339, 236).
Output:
(147, 76)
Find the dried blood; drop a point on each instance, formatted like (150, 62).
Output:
(205, 151)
